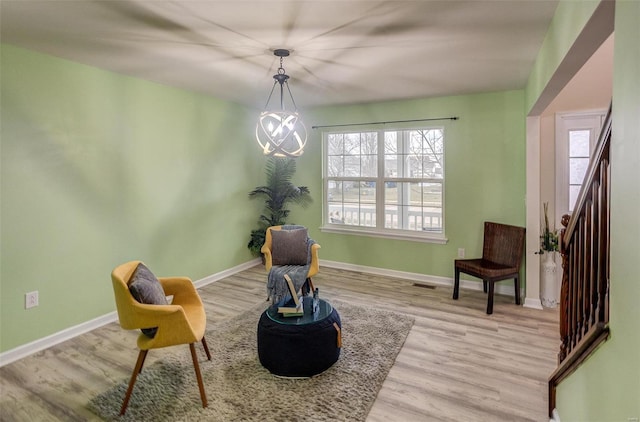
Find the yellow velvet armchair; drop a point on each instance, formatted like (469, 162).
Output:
(181, 322)
(267, 248)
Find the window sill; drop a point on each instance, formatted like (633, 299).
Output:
(385, 234)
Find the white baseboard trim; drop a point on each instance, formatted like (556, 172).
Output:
(226, 273)
(51, 340)
(55, 338)
(533, 303)
(419, 277)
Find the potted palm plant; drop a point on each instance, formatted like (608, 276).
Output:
(549, 238)
(278, 193)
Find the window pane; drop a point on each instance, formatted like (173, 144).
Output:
(368, 192)
(391, 192)
(351, 166)
(352, 143)
(413, 166)
(391, 166)
(432, 167)
(415, 143)
(432, 207)
(432, 194)
(336, 143)
(579, 143)
(390, 142)
(352, 215)
(334, 191)
(577, 170)
(369, 166)
(334, 201)
(391, 217)
(368, 215)
(351, 192)
(369, 143)
(335, 166)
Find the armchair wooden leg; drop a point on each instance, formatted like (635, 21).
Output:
(490, 298)
(456, 284)
(196, 366)
(308, 287)
(144, 359)
(484, 285)
(206, 348)
(141, 357)
(516, 283)
(311, 286)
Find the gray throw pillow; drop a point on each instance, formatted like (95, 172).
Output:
(289, 247)
(146, 288)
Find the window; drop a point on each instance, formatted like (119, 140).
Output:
(386, 182)
(576, 135)
(579, 147)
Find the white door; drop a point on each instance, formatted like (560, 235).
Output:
(576, 136)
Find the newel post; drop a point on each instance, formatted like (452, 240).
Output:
(564, 291)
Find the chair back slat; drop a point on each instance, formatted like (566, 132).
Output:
(503, 244)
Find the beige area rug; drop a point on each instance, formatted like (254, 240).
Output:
(240, 389)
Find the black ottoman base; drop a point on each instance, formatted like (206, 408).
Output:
(298, 350)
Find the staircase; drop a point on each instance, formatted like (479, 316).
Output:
(584, 247)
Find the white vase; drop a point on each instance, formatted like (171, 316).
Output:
(549, 288)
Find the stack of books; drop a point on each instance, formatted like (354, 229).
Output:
(293, 307)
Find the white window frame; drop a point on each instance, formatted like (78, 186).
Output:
(566, 122)
(379, 230)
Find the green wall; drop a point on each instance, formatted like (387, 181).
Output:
(484, 178)
(568, 21)
(100, 168)
(607, 386)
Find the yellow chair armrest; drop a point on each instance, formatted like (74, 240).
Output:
(182, 289)
(173, 328)
(315, 261)
(268, 259)
(141, 315)
(266, 248)
(177, 285)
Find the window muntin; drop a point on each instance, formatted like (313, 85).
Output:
(396, 185)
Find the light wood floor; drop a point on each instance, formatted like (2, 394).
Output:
(457, 364)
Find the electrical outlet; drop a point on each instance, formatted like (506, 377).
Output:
(31, 300)
(460, 252)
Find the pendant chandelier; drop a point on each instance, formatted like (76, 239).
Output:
(281, 132)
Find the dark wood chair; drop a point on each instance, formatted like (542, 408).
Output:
(503, 247)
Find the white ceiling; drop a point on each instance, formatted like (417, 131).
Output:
(347, 51)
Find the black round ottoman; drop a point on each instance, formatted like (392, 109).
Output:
(299, 346)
